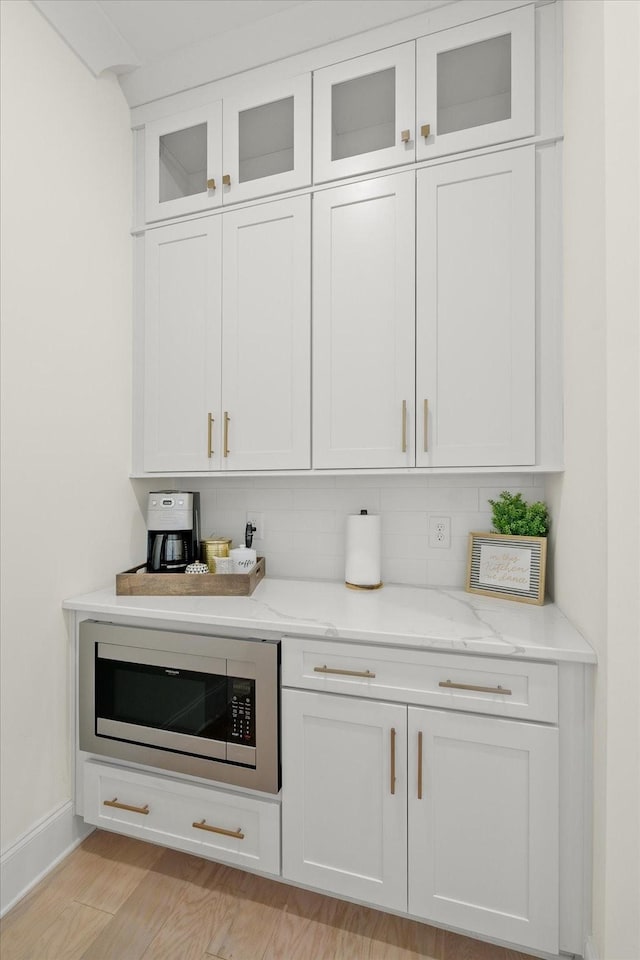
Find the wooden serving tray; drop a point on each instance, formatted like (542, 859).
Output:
(137, 583)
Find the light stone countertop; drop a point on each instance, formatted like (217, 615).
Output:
(426, 618)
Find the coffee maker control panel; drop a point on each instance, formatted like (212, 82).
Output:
(170, 510)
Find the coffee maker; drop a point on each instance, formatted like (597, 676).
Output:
(173, 524)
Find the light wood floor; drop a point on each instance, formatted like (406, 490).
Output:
(119, 899)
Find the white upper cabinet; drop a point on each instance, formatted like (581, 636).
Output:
(182, 337)
(363, 114)
(266, 304)
(226, 341)
(476, 84)
(249, 146)
(475, 330)
(183, 154)
(267, 140)
(364, 324)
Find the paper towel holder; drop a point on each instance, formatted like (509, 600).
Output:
(363, 586)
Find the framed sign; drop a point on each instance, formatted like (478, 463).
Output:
(499, 565)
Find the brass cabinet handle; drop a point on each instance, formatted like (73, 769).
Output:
(226, 434)
(405, 136)
(404, 426)
(426, 426)
(393, 760)
(211, 184)
(126, 806)
(203, 825)
(425, 130)
(345, 673)
(471, 686)
(227, 180)
(210, 423)
(420, 765)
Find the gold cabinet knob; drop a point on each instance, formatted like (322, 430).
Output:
(227, 180)
(405, 136)
(211, 184)
(425, 130)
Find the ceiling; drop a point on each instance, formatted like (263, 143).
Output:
(154, 30)
(158, 47)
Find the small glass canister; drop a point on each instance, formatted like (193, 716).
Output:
(214, 547)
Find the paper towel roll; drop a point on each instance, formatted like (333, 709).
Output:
(362, 552)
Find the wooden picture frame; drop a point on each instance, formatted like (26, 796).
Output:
(511, 567)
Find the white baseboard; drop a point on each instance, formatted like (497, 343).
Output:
(590, 951)
(31, 857)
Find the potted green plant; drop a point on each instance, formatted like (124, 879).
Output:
(510, 561)
(514, 516)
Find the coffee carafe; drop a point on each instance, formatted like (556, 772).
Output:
(173, 524)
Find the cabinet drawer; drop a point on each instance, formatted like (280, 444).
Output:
(210, 823)
(504, 688)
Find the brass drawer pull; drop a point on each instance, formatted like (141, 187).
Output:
(420, 765)
(426, 426)
(404, 426)
(227, 179)
(210, 423)
(425, 130)
(126, 806)
(471, 686)
(405, 136)
(345, 673)
(393, 761)
(227, 418)
(203, 825)
(211, 184)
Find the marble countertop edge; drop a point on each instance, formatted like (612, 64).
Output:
(437, 619)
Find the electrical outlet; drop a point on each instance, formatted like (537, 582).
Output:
(257, 519)
(440, 532)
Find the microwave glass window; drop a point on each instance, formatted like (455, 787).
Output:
(183, 163)
(181, 701)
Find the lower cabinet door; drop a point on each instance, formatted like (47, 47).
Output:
(483, 821)
(220, 825)
(344, 796)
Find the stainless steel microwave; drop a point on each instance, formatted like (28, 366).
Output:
(203, 705)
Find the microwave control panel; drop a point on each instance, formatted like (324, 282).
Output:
(242, 711)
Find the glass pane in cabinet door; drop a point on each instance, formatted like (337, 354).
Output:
(474, 84)
(363, 114)
(183, 163)
(265, 135)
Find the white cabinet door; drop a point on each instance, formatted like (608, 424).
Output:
(182, 344)
(183, 162)
(476, 311)
(483, 851)
(267, 140)
(266, 336)
(476, 84)
(364, 324)
(344, 818)
(363, 114)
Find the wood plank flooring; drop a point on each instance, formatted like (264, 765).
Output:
(119, 899)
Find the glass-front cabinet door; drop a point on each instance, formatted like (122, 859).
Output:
(475, 84)
(363, 114)
(183, 161)
(267, 140)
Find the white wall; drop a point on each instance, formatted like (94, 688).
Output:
(596, 502)
(70, 518)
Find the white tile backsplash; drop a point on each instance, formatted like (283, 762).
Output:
(305, 519)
